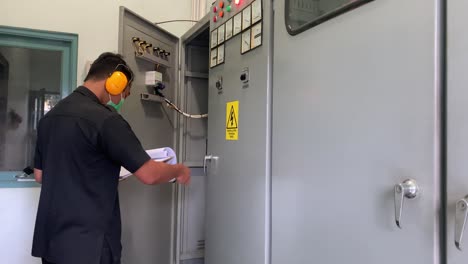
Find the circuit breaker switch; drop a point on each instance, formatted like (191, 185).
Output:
(153, 78)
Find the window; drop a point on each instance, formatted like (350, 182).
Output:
(37, 69)
(304, 14)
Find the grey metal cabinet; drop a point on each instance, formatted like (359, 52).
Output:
(338, 149)
(457, 131)
(355, 112)
(237, 190)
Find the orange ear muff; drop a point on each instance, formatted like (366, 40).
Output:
(116, 83)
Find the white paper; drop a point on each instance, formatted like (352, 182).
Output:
(166, 155)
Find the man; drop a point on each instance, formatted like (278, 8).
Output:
(82, 143)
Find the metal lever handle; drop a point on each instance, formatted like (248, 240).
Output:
(461, 213)
(408, 189)
(208, 158)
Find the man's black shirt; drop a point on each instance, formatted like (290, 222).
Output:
(81, 146)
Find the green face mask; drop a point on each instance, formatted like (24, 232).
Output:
(116, 106)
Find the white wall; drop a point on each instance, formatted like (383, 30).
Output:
(18, 214)
(201, 8)
(96, 22)
(207, 5)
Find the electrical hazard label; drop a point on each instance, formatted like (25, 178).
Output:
(232, 120)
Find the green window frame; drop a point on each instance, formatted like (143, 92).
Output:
(67, 44)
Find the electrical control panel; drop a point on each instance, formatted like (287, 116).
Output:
(230, 18)
(153, 55)
(239, 85)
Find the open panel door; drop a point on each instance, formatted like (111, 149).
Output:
(166, 223)
(148, 212)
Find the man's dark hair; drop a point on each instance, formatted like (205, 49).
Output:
(105, 64)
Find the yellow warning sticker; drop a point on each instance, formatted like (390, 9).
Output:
(232, 120)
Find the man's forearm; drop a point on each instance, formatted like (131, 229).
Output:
(153, 172)
(165, 172)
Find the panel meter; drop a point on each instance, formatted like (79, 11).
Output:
(220, 54)
(237, 24)
(245, 46)
(256, 37)
(214, 38)
(214, 58)
(256, 11)
(221, 34)
(228, 29)
(246, 17)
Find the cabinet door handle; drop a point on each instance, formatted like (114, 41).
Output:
(408, 189)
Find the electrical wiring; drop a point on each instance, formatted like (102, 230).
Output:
(177, 109)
